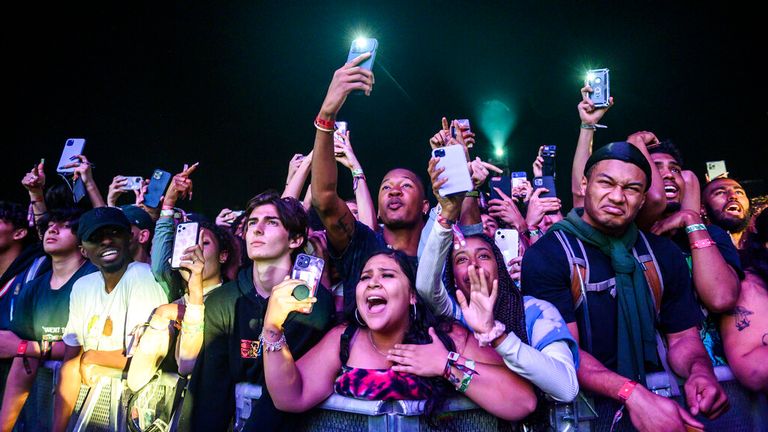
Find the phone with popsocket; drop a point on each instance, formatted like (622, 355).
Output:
(309, 269)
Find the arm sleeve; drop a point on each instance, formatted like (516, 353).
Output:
(551, 369)
(162, 248)
(429, 283)
(73, 333)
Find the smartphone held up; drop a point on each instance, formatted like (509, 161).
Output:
(361, 46)
(599, 80)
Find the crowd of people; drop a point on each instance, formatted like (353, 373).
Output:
(651, 272)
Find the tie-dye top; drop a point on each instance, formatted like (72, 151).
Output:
(377, 384)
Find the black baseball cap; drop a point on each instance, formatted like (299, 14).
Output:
(100, 217)
(139, 217)
(625, 152)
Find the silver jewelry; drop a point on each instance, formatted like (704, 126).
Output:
(359, 321)
(373, 344)
(272, 346)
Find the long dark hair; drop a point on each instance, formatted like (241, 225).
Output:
(754, 256)
(417, 334)
(509, 308)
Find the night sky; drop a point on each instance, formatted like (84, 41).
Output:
(236, 85)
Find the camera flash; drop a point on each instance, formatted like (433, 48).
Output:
(361, 42)
(590, 76)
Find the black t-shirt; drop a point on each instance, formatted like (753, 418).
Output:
(42, 312)
(234, 316)
(546, 275)
(351, 261)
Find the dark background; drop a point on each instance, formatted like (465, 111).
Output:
(236, 85)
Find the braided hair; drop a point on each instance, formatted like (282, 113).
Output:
(509, 308)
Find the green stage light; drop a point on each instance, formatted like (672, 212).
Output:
(499, 152)
(497, 122)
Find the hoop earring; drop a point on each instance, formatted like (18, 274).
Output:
(360, 322)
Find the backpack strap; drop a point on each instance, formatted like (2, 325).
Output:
(579, 270)
(651, 269)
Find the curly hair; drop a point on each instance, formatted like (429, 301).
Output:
(417, 334)
(509, 308)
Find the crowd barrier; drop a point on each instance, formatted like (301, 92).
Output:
(103, 409)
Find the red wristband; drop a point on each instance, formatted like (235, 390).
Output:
(703, 243)
(21, 350)
(327, 124)
(626, 390)
(444, 220)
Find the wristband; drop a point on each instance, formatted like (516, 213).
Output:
(167, 213)
(192, 328)
(485, 339)
(357, 172)
(465, 383)
(442, 220)
(588, 126)
(473, 194)
(703, 243)
(626, 390)
(324, 125)
(533, 232)
(695, 227)
(21, 350)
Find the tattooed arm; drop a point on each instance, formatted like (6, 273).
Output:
(745, 334)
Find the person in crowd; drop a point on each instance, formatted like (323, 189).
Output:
(745, 327)
(395, 349)
(298, 170)
(528, 334)
(105, 307)
(615, 326)
(276, 229)
(21, 260)
(490, 225)
(201, 272)
(715, 271)
(42, 309)
(362, 206)
(654, 203)
(142, 230)
(726, 205)
(402, 203)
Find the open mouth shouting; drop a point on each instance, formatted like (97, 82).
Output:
(671, 190)
(734, 209)
(375, 304)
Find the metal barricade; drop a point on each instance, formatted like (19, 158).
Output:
(343, 414)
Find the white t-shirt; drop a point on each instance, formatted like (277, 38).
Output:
(92, 311)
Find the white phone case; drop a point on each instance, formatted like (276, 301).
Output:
(186, 236)
(72, 147)
(508, 241)
(454, 161)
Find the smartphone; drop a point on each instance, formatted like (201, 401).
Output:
(341, 127)
(463, 125)
(547, 182)
(599, 80)
(309, 269)
(360, 46)
(454, 161)
(716, 169)
(519, 178)
(158, 183)
(186, 236)
(504, 183)
(508, 241)
(72, 148)
(548, 153)
(238, 213)
(341, 130)
(133, 183)
(78, 190)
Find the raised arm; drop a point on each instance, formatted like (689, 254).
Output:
(333, 211)
(34, 183)
(298, 171)
(590, 116)
(84, 172)
(345, 155)
(296, 386)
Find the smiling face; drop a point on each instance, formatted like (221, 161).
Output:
(266, 237)
(672, 175)
(478, 253)
(107, 248)
(613, 194)
(384, 294)
(59, 239)
(401, 199)
(726, 204)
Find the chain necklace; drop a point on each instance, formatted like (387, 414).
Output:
(373, 344)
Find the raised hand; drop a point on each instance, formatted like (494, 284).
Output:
(441, 138)
(478, 311)
(83, 169)
(346, 79)
(451, 205)
(193, 264)
(538, 207)
(181, 186)
(116, 189)
(34, 180)
(479, 171)
(505, 209)
(588, 113)
(345, 155)
(282, 302)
